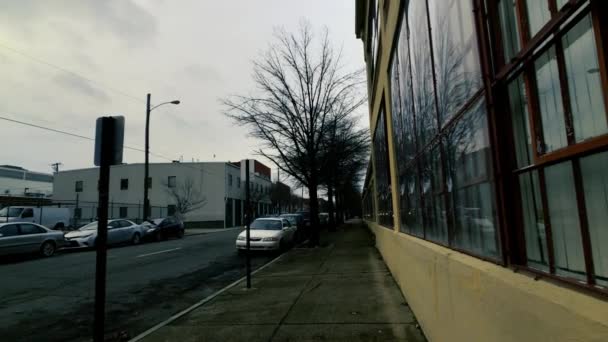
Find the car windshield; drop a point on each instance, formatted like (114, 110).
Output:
(266, 225)
(90, 226)
(291, 218)
(11, 212)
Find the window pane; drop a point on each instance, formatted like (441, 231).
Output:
(510, 31)
(533, 221)
(561, 3)
(565, 228)
(383, 182)
(521, 124)
(411, 211)
(595, 181)
(422, 73)
(431, 177)
(538, 15)
(584, 84)
(457, 67)
(469, 183)
(550, 101)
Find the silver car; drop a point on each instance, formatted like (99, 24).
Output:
(119, 231)
(26, 237)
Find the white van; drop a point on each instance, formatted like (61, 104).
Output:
(53, 218)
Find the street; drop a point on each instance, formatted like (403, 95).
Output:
(53, 299)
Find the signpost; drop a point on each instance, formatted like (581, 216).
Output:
(247, 224)
(109, 136)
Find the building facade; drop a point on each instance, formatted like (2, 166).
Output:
(220, 184)
(487, 186)
(17, 181)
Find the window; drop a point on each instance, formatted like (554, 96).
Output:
(124, 184)
(9, 230)
(238, 182)
(78, 186)
(383, 179)
(27, 213)
(171, 182)
(28, 229)
(149, 182)
(538, 15)
(171, 209)
(510, 32)
(229, 180)
(122, 212)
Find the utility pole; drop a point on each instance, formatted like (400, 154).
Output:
(279, 188)
(247, 224)
(146, 176)
(55, 167)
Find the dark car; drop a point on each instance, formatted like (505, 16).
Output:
(298, 221)
(163, 228)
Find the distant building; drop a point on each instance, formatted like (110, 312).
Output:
(220, 183)
(18, 182)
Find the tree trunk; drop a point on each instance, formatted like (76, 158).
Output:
(314, 215)
(330, 203)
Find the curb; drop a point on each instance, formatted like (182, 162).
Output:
(201, 302)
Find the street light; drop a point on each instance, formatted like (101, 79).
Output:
(148, 110)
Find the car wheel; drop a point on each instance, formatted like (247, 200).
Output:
(180, 233)
(135, 240)
(47, 249)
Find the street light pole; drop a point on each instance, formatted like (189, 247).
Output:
(149, 109)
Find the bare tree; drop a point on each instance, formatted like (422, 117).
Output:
(300, 86)
(186, 196)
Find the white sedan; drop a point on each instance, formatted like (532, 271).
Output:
(267, 234)
(119, 231)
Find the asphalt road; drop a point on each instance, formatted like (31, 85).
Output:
(53, 299)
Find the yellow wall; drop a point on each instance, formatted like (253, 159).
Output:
(456, 297)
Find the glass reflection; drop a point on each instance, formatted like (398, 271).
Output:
(550, 102)
(533, 221)
(584, 84)
(457, 67)
(565, 227)
(538, 14)
(469, 183)
(383, 183)
(595, 183)
(521, 122)
(510, 32)
(435, 218)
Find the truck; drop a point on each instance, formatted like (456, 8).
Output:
(50, 217)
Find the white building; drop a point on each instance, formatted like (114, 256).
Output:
(221, 184)
(17, 181)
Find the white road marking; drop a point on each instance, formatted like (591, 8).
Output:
(165, 251)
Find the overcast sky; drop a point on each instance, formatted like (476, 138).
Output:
(63, 63)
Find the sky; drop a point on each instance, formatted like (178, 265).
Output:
(63, 63)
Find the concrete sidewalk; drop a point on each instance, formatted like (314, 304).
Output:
(342, 292)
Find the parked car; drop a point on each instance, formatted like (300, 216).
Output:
(55, 218)
(305, 216)
(267, 234)
(298, 221)
(119, 231)
(162, 228)
(27, 237)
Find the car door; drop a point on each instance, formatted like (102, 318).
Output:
(127, 229)
(114, 233)
(10, 239)
(31, 237)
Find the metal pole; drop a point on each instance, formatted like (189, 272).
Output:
(102, 232)
(247, 224)
(75, 210)
(147, 148)
(278, 188)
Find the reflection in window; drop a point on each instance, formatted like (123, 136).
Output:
(550, 101)
(432, 186)
(457, 67)
(510, 32)
(383, 179)
(538, 15)
(565, 227)
(469, 182)
(521, 122)
(533, 221)
(422, 72)
(595, 180)
(585, 87)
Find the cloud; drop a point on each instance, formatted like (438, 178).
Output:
(78, 84)
(204, 73)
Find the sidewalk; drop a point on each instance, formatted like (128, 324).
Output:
(342, 292)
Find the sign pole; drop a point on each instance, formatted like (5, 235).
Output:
(247, 224)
